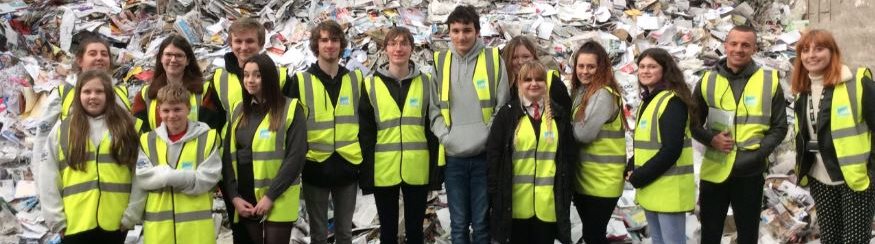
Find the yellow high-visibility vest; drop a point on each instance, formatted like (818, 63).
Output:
(332, 127)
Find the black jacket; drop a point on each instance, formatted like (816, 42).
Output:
(499, 151)
(747, 162)
(336, 170)
(805, 159)
(368, 132)
(672, 123)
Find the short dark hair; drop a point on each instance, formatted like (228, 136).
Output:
(745, 28)
(333, 29)
(465, 14)
(247, 24)
(397, 31)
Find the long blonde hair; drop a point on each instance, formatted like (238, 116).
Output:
(536, 69)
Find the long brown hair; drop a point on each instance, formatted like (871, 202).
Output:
(125, 145)
(80, 51)
(673, 79)
(832, 74)
(604, 76)
(510, 48)
(270, 91)
(536, 69)
(192, 77)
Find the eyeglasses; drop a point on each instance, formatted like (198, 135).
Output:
(171, 56)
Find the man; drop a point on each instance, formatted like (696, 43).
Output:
(330, 94)
(749, 103)
(470, 83)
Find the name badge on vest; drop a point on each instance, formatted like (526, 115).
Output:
(344, 100)
(264, 133)
(548, 135)
(843, 111)
(188, 165)
(481, 84)
(750, 100)
(414, 102)
(642, 124)
(142, 163)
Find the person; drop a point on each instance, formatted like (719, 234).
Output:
(330, 94)
(86, 177)
(529, 153)
(746, 120)
(520, 50)
(246, 37)
(833, 130)
(178, 173)
(598, 129)
(264, 152)
(399, 151)
(175, 63)
(663, 149)
(467, 74)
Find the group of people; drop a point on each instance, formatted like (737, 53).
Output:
(511, 143)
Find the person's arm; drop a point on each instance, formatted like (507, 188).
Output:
(293, 161)
(700, 133)
(502, 90)
(869, 98)
(777, 126)
(291, 88)
(51, 114)
(211, 111)
(205, 177)
(151, 177)
(49, 180)
(368, 141)
(438, 127)
(559, 93)
(602, 108)
(133, 214)
(495, 144)
(672, 124)
(229, 178)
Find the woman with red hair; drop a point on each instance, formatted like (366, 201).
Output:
(834, 138)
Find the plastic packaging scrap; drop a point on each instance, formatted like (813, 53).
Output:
(37, 39)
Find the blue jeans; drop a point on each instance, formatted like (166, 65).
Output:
(667, 227)
(465, 179)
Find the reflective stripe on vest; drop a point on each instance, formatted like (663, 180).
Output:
(332, 127)
(603, 162)
(268, 151)
(851, 136)
(97, 195)
(172, 216)
(230, 87)
(194, 102)
(675, 190)
(401, 152)
(534, 169)
(484, 79)
(752, 116)
(65, 91)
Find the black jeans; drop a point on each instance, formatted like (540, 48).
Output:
(745, 194)
(595, 212)
(96, 235)
(532, 230)
(267, 232)
(414, 212)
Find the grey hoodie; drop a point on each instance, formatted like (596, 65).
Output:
(149, 177)
(467, 134)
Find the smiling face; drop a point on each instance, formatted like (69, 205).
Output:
(174, 60)
(649, 72)
(93, 97)
(740, 47)
(586, 67)
(174, 115)
(521, 55)
(532, 86)
(95, 57)
(463, 36)
(244, 44)
(252, 79)
(815, 58)
(399, 50)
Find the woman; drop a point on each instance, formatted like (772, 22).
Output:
(598, 128)
(833, 125)
(180, 169)
(86, 174)
(663, 152)
(174, 64)
(393, 112)
(528, 153)
(520, 50)
(264, 155)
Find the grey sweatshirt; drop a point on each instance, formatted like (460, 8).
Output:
(467, 134)
(601, 109)
(49, 180)
(189, 182)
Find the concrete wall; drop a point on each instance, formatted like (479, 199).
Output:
(852, 22)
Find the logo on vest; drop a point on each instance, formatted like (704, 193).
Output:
(481, 84)
(264, 133)
(843, 111)
(187, 165)
(642, 123)
(344, 100)
(548, 135)
(414, 102)
(142, 163)
(750, 100)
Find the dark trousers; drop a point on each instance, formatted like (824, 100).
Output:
(532, 231)
(268, 232)
(745, 194)
(96, 235)
(844, 215)
(414, 212)
(595, 212)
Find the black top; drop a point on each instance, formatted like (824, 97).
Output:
(295, 151)
(747, 162)
(336, 170)
(672, 125)
(368, 132)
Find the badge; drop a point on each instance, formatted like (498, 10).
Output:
(142, 163)
(186, 165)
(843, 111)
(344, 100)
(414, 102)
(750, 100)
(548, 135)
(481, 84)
(642, 123)
(264, 133)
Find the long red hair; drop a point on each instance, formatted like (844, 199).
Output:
(832, 73)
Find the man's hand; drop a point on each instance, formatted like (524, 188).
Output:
(243, 207)
(723, 142)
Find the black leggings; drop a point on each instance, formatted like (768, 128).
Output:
(96, 235)
(268, 232)
(595, 212)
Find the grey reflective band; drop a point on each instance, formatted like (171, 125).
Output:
(95, 185)
(767, 95)
(179, 217)
(345, 119)
(372, 93)
(487, 103)
(531, 179)
(648, 145)
(529, 154)
(605, 159)
(308, 92)
(105, 158)
(201, 147)
(339, 144)
(754, 119)
(849, 132)
(445, 105)
(399, 122)
(272, 155)
(261, 183)
(442, 56)
(654, 118)
(313, 125)
(406, 146)
(490, 72)
(223, 83)
(611, 134)
(852, 95)
(153, 150)
(679, 170)
(750, 142)
(356, 92)
(854, 159)
(321, 147)
(709, 91)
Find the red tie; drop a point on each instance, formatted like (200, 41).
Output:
(537, 111)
